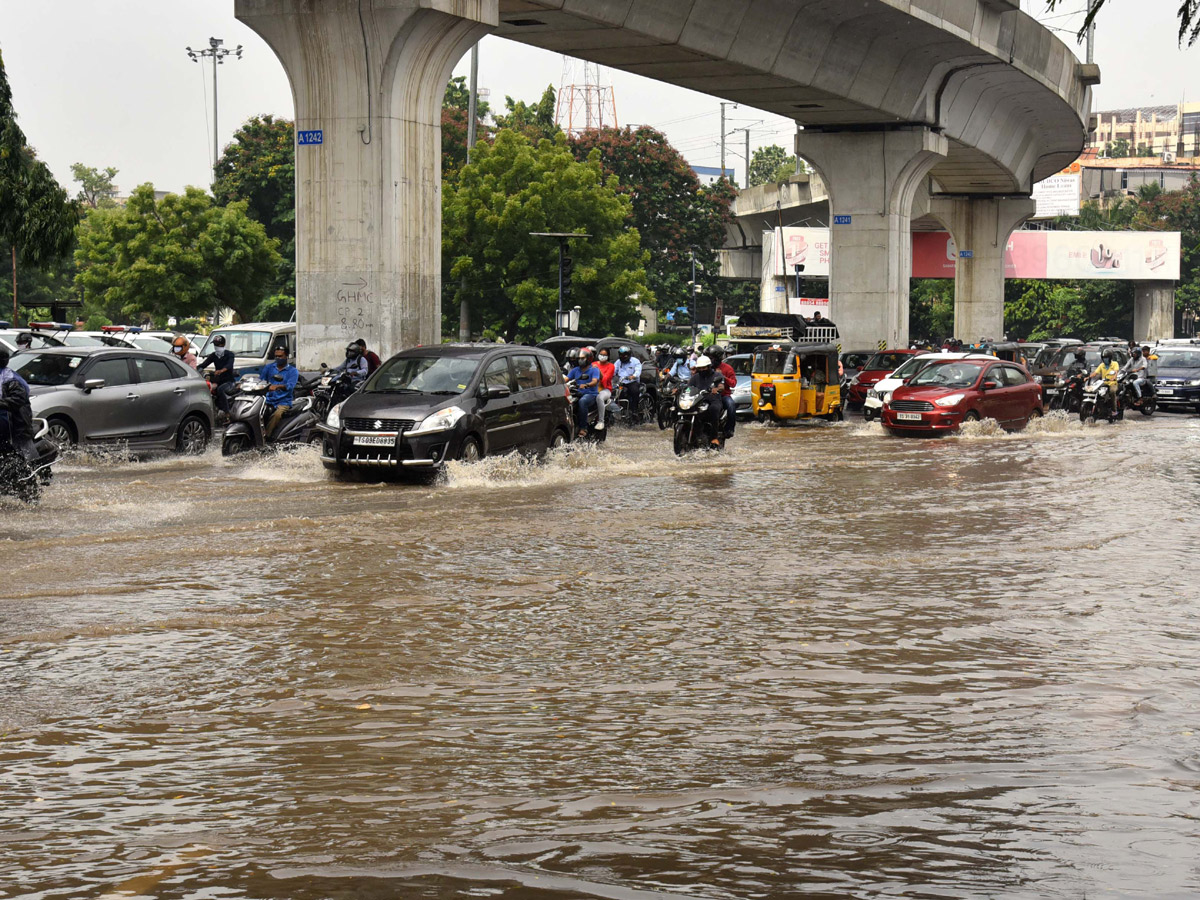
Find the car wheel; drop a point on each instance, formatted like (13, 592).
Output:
(971, 416)
(61, 432)
(1036, 413)
(471, 450)
(192, 437)
(558, 439)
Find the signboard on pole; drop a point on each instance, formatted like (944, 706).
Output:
(808, 247)
(1058, 195)
(806, 306)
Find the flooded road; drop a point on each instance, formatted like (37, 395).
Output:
(827, 664)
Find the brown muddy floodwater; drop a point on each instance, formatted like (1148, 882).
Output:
(827, 664)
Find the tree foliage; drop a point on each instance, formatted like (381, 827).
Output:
(258, 168)
(533, 120)
(773, 164)
(178, 256)
(669, 207)
(456, 117)
(509, 278)
(96, 186)
(1189, 18)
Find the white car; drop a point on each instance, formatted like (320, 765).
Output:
(882, 391)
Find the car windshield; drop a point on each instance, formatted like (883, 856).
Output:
(46, 368)
(886, 361)
(423, 374)
(740, 364)
(82, 340)
(959, 373)
(911, 365)
(774, 362)
(1066, 357)
(1179, 359)
(1044, 356)
(855, 360)
(250, 344)
(158, 345)
(37, 343)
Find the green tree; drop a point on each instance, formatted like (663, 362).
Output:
(456, 111)
(96, 185)
(509, 278)
(178, 256)
(931, 308)
(535, 121)
(772, 164)
(1189, 18)
(670, 209)
(258, 167)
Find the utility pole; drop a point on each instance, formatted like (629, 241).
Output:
(217, 52)
(1091, 34)
(464, 312)
(747, 184)
(724, 103)
(692, 310)
(565, 267)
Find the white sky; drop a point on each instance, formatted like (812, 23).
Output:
(108, 82)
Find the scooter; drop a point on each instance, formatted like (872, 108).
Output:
(693, 430)
(247, 420)
(22, 478)
(633, 417)
(599, 435)
(671, 386)
(1129, 398)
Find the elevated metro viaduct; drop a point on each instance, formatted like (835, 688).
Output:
(970, 101)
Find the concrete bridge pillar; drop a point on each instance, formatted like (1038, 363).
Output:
(872, 178)
(981, 227)
(368, 77)
(1153, 311)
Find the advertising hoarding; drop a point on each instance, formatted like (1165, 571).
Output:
(1058, 195)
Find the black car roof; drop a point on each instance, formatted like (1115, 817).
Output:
(467, 351)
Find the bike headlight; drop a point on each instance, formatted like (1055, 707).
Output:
(334, 419)
(442, 420)
(950, 400)
(687, 401)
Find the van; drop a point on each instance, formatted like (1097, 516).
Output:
(254, 343)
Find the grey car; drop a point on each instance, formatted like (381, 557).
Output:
(100, 395)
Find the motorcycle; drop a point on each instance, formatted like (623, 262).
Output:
(22, 478)
(1098, 401)
(247, 420)
(693, 431)
(329, 389)
(666, 403)
(599, 435)
(645, 411)
(1070, 392)
(1129, 398)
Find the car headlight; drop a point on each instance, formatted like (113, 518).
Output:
(873, 394)
(887, 398)
(950, 400)
(687, 401)
(1195, 382)
(334, 419)
(442, 420)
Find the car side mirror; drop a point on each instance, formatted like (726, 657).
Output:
(497, 392)
(990, 385)
(92, 384)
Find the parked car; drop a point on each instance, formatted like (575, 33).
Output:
(427, 405)
(874, 369)
(944, 395)
(879, 392)
(8, 339)
(1178, 381)
(742, 365)
(254, 344)
(1050, 374)
(99, 395)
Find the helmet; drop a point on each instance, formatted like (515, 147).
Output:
(4, 357)
(219, 340)
(623, 351)
(353, 351)
(716, 354)
(704, 363)
(572, 355)
(1080, 356)
(1137, 352)
(180, 346)
(586, 355)
(25, 339)
(679, 353)
(1106, 355)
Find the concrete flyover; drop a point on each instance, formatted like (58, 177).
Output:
(902, 102)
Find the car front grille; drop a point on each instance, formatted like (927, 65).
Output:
(1171, 382)
(394, 425)
(1049, 379)
(911, 406)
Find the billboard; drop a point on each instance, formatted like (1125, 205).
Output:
(808, 247)
(1101, 255)
(806, 306)
(1058, 195)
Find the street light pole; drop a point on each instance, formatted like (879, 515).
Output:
(724, 103)
(217, 52)
(562, 237)
(692, 311)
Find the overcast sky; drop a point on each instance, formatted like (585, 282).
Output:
(109, 83)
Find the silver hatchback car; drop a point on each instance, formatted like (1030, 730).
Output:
(103, 395)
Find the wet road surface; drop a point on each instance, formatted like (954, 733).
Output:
(829, 663)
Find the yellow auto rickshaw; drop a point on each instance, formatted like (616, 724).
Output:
(796, 381)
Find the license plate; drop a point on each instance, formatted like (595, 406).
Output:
(1166, 392)
(374, 440)
(908, 417)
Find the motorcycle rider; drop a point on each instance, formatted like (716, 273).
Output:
(281, 378)
(372, 358)
(1151, 362)
(628, 375)
(662, 357)
(706, 378)
(586, 377)
(682, 367)
(355, 364)
(1108, 370)
(717, 355)
(607, 370)
(16, 415)
(223, 362)
(181, 349)
(1138, 367)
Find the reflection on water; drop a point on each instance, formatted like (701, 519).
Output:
(827, 663)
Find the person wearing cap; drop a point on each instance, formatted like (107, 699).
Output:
(16, 414)
(706, 378)
(627, 375)
(224, 362)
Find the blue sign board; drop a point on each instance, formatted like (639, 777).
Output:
(842, 220)
(310, 137)
(966, 254)
(670, 317)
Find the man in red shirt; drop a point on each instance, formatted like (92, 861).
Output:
(606, 376)
(717, 355)
(369, 355)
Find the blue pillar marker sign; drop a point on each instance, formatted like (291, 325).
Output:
(310, 137)
(842, 220)
(966, 254)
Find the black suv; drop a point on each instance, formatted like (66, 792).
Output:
(560, 345)
(1178, 381)
(455, 401)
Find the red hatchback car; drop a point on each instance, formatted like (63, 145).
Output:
(944, 395)
(877, 368)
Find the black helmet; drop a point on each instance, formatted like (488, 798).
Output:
(716, 354)
(679, 353)
(25, 339)
(353, 351)
(4, 357)
(1106, 355)
(1137, 352)
(219, 340)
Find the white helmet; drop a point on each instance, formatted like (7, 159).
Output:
(702, 362)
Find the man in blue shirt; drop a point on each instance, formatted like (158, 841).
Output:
(225, 364)
(585, 376)
(281, 381)
(628, 378)
(16, 416)
(355, 363)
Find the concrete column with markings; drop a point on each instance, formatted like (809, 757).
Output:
(1153, 311)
